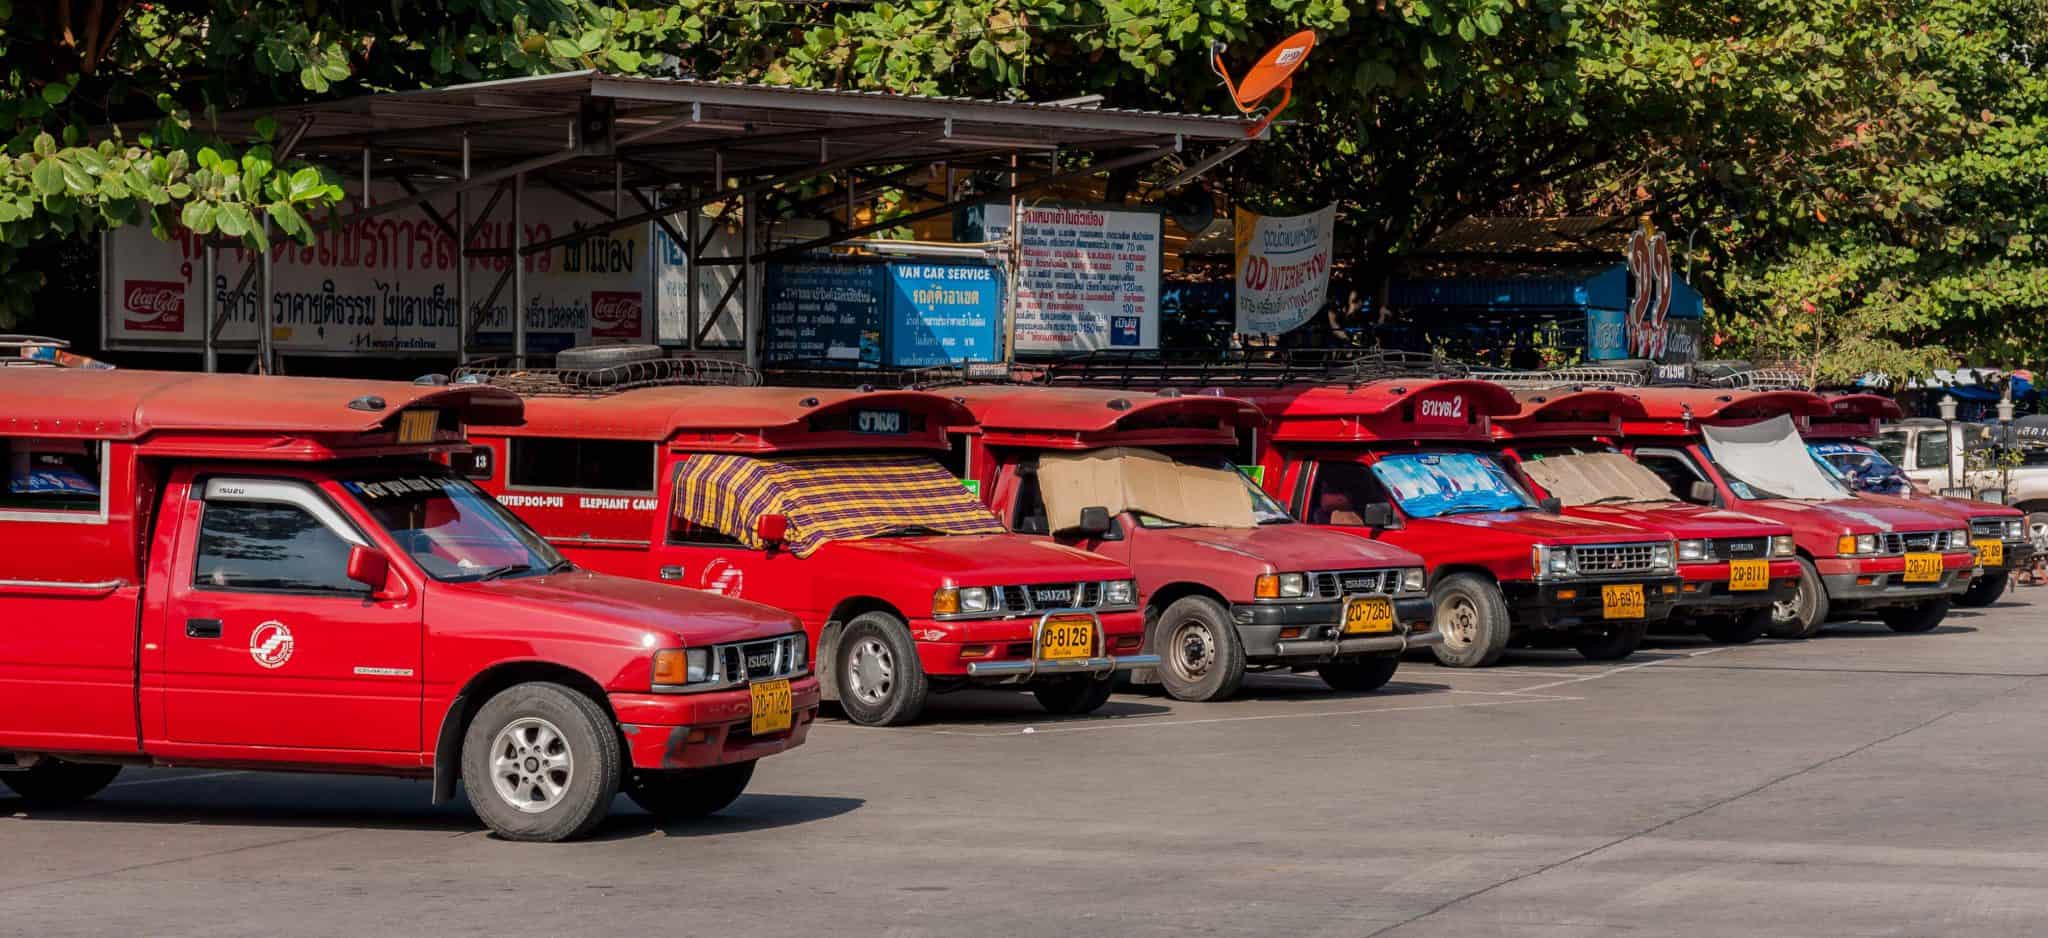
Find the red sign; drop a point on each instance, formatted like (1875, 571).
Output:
(153, 305)
(614, 315)
(1649, 260)
(1441, 410)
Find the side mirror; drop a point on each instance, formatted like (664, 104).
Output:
(1094, 521)
(1377, 515)
(366, 565)
(772, 529)
(1702, 491)
(1550, 505)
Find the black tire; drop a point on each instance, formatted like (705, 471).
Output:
(1073, 696)
(1809, 609)
(1472, 617)
(54, 783)
(1984, 590)
(1616, 641)
(1201, 657)
(1920, 617)
(1359, 675)
(890, 689)
(606, 356)
(1739, 630)
(689, 794)
(538, 722)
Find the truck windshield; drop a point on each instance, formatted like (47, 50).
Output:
(1431, 484)
(1265, 510)
(1860, 467)
(451, 528)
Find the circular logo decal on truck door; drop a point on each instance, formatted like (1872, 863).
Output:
(271, 644)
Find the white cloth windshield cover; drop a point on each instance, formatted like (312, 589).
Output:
(1585, 478)
(1771, 457)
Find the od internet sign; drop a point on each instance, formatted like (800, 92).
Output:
(385, 286)
(1283, 268)
(1089, 278)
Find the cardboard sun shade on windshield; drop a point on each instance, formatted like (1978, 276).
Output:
(1584, 478)
(1125, 479)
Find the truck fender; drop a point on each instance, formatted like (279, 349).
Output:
(448, 749)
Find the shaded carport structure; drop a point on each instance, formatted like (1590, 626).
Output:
(688, 155)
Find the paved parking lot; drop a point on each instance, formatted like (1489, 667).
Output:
(1863, 783)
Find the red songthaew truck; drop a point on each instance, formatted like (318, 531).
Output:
(833, 505)
(1412, 462)
(1734, 567)
(1228, 581)
(274, 573)
(1904, 564)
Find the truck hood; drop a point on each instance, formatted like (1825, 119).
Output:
(1537, 526)
(1952, 507)
(971, 560)
(1853, 515)
(1681, 520)
(614, 609)
(1293, 547)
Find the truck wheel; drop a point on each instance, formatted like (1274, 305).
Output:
(54, 783)
(880, 679)
(1921, 617)
(1201, 657)
(1073, 696)
(1360, 675)
(1984, 590)
(1473, 619)
(1807, 613)
(1740, 630)
(689, 794)
(541, 762)
(1618, 641)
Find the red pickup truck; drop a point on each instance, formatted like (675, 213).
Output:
(1736, 567)
(1228, 581)
(274, 573)
(1412, 462)
(1856, 556)
(831, 504)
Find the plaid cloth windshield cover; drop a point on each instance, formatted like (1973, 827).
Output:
(826, 498)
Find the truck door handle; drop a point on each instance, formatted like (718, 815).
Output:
(671, 573)
(202, 628)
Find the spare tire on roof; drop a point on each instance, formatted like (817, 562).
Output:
(607, 356)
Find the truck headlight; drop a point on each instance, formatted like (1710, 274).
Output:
(974, 599)
(1120, 593)
(1853, 544)
(679, 666)
(1414, 580)
(1550, 562)
(2015, 530)
(1660, 556)
(1692, 550)
(1280, 586)
(1959, 539)
(1782, 545)
(798, 652)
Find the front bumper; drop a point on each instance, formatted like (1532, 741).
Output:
(1261, 625)
(1571, 604)
(1873, 582)
(698, 731)
(1711, 595)
(1102, 665)
(2018, 554)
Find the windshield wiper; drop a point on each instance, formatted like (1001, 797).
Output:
(1604, 499)
(502, 571)
(909, 530)
(561, 566)
(1479, 510)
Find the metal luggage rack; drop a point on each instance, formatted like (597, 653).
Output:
(593, 382)
(1563, 377)
(1245, 368)
(819, 374)
(19, 351)
(1761, 377)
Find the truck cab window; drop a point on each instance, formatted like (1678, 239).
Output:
(1340, 490)
(598, 465)
(272, 548)
(1028, 516)
(1931, 449)
(1677, 472)
(50, 475)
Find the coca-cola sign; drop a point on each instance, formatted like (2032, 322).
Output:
(614, 315)
(153, 305)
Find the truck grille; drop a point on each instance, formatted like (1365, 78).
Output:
(1988, 527)
(1741, 548)
(1337, 584)
(1040, 596)
(766, 659)
(1601, 559)
(1899, 542)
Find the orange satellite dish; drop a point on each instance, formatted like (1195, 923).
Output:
(1274, 70)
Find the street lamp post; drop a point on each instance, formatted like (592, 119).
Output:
(1948, 421)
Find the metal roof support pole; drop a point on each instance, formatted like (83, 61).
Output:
(266, 351)
(690, 269)
(1015, 265)
(750, 302)
(518, 270)
(209, 355)
(462, 263)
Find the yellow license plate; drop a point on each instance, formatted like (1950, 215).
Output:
(1990, 553)
(1621, 601)
(1748, 574)
(1367, 615)
(417, 426)
(1063, 638)
(771, 707)
(1923, 568)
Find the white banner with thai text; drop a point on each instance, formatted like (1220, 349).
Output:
(1283, 268)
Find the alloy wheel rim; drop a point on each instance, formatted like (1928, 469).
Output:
(531, 765)
(872, 671)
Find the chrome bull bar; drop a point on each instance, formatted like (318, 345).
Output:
(1400, 640)
(1103, 664)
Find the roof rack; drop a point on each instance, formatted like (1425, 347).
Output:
(1562, 377)
(1245, 368)
(1759, 378)
(597, 382)
(41, 351)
